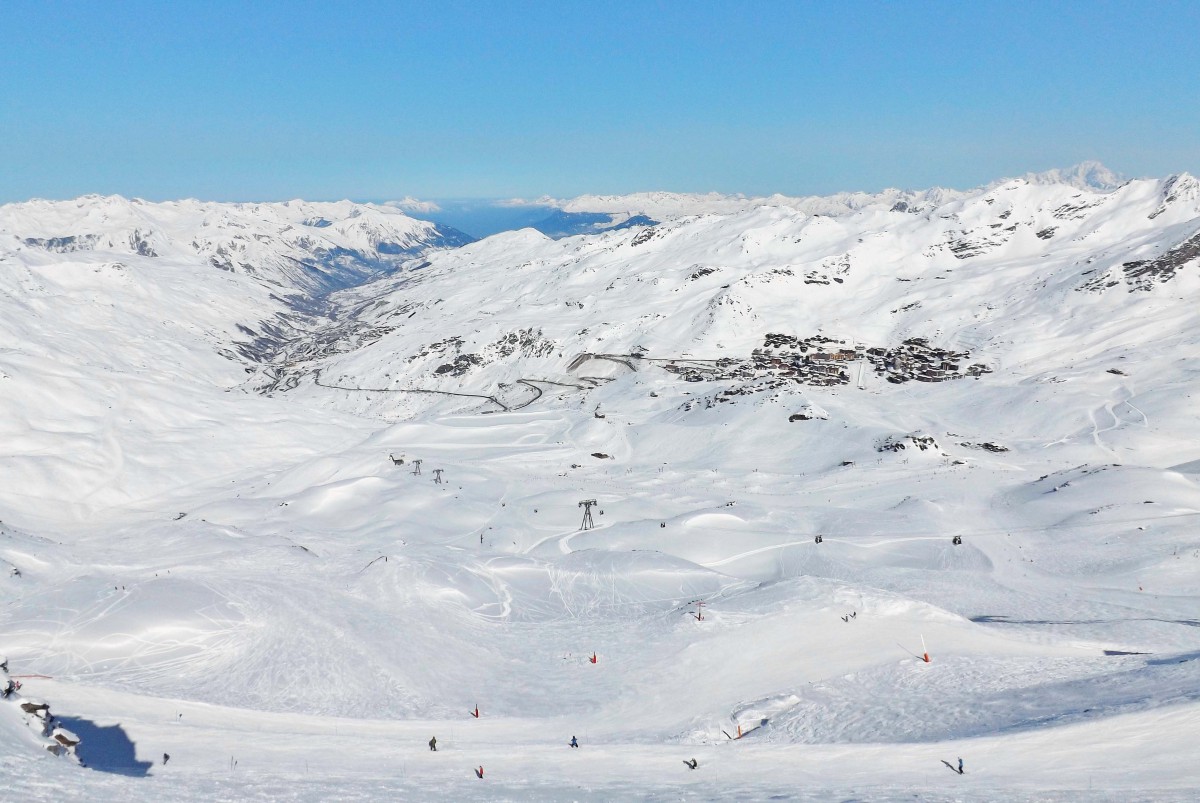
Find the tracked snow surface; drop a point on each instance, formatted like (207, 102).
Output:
(962, 429)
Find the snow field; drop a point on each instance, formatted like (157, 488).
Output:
(175, 542)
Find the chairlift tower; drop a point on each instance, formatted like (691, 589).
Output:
(416, 468)
(437, 476)
(587, 505)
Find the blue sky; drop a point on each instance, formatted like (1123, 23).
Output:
(374, 100)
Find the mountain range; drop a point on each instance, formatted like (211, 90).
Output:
(819, 492)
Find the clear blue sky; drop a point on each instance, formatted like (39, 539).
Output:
(373, 100)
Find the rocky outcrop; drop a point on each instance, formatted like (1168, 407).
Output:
(35, 715)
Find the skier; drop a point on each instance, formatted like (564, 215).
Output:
(479, 772)
(573, 742)
(692, 764)
(960, 767)
(166, 758)
(433, 744)
(9, 688)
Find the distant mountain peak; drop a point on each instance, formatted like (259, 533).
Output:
(1088, 175)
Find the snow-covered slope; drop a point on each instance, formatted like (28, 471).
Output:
(591, 214)
(1022, 276)
(295, 245)
(967, 431)
(121, 316)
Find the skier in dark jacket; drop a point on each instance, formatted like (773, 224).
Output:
(960, 768)
(574, 743)
(692, 764)
(433, 744)
(9, 688)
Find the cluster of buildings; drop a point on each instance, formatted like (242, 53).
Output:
(823, 361)
(915, 359)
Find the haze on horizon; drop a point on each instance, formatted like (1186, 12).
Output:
(390, 100)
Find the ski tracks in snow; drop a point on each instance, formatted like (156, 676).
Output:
(1110, 416)
(1097, 431)
(1122, 411)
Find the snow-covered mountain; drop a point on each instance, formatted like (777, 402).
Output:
(929, 462)
(592, 214)
(1090, 175)
(668, 205)
(297, 246)
(973, 275)
(165, 303)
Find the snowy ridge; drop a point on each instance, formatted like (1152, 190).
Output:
(1090, 176)
(966, 433)
(292, 245)
(667, 205)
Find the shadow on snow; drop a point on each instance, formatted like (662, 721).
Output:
(105, 748)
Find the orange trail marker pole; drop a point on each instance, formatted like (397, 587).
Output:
(924, 650)
(739, 731)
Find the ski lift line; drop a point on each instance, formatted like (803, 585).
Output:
(903, 538)
(1052, 528)
(618, 487)
(1009, 530)
(915, 536)
(752, 552)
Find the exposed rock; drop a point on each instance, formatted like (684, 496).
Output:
(987, 446)
(898, 443)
